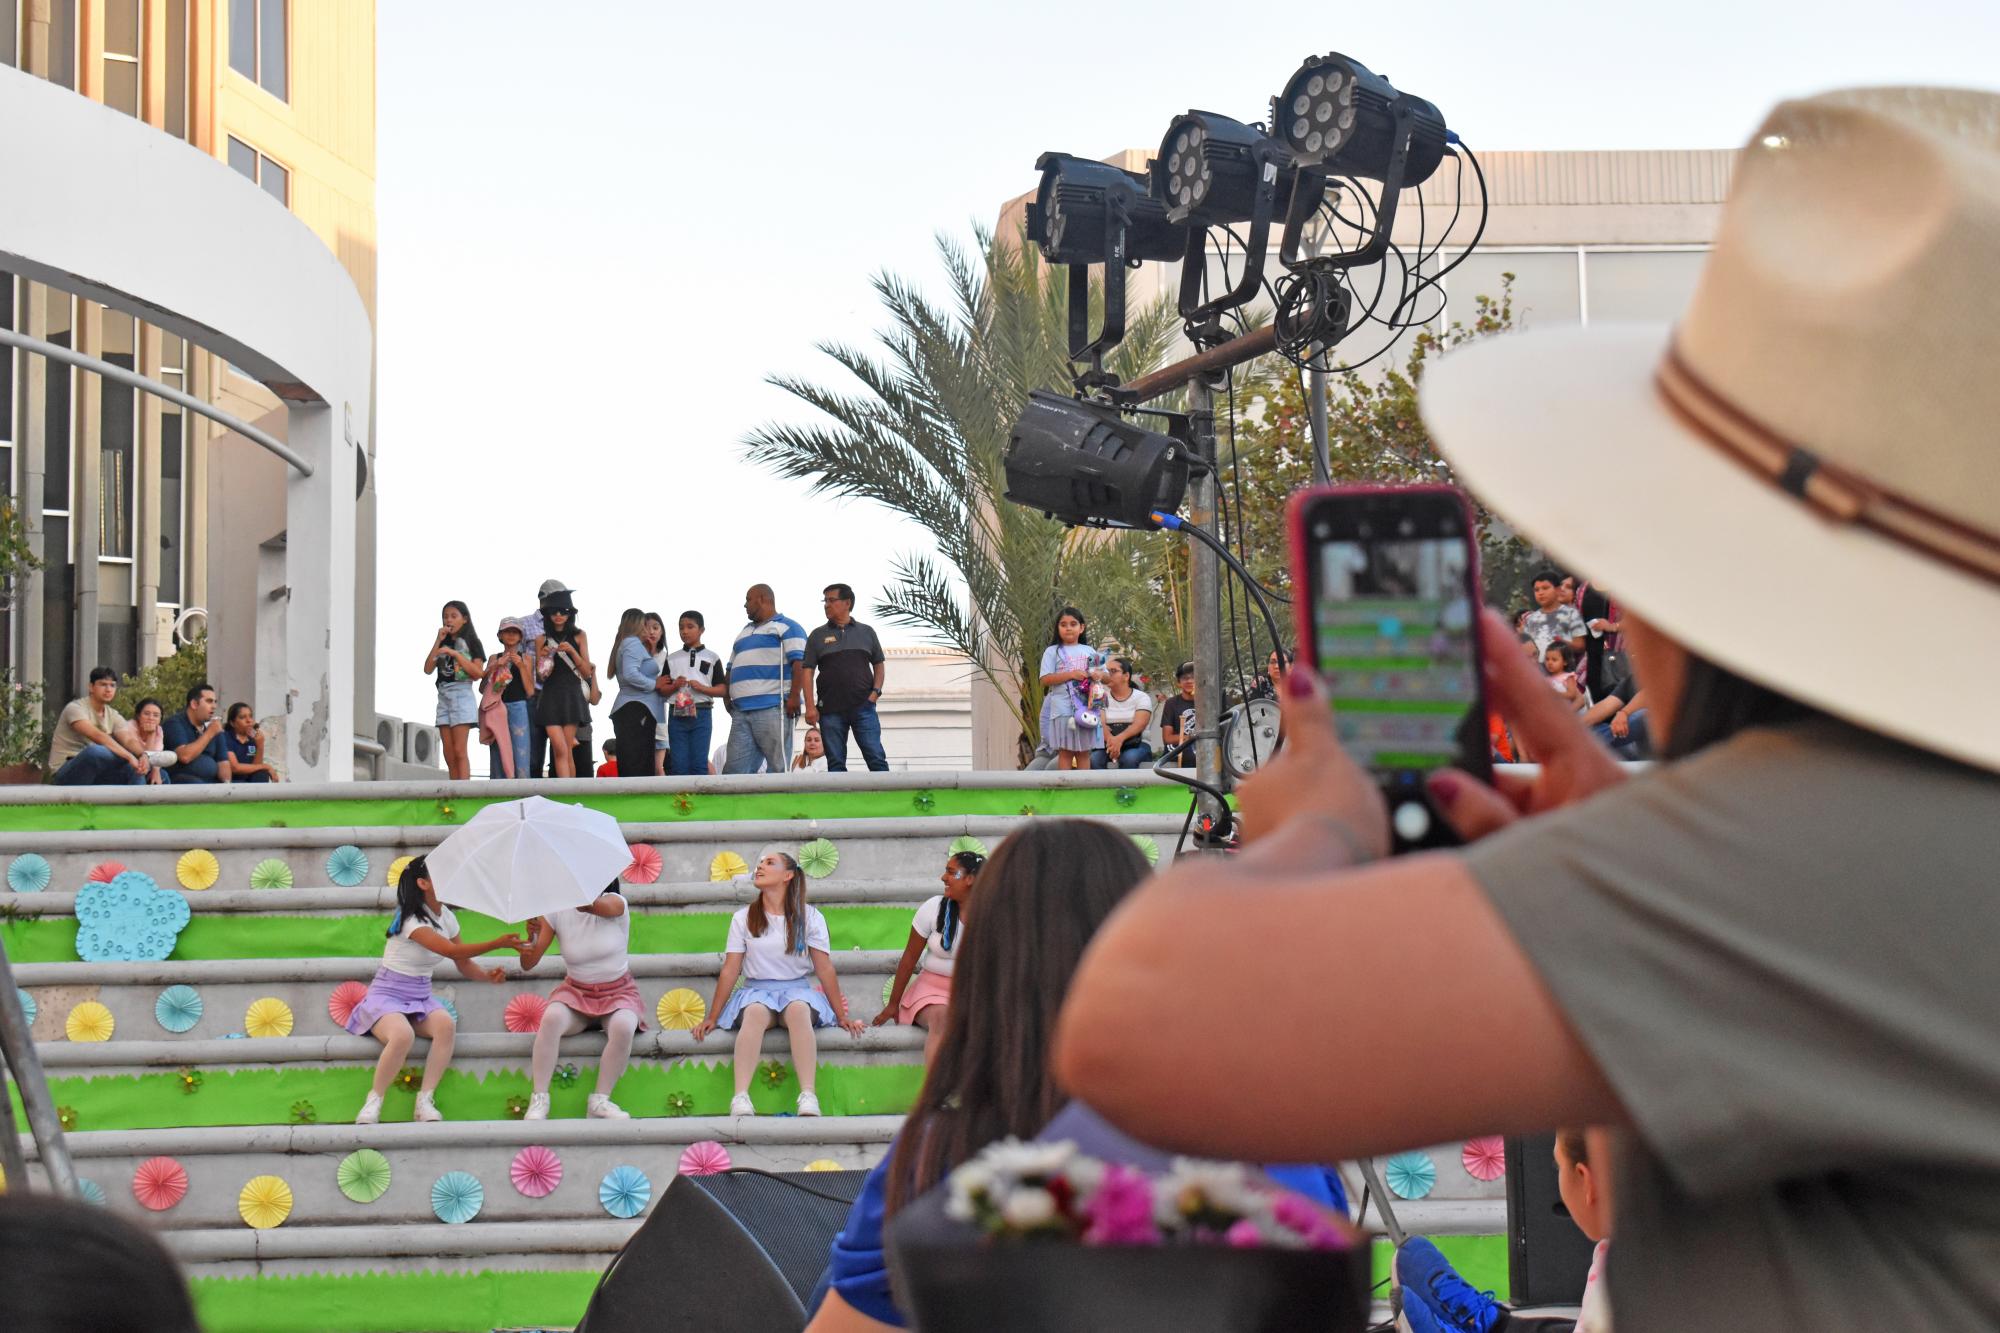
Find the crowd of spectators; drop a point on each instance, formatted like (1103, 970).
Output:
(92, 744)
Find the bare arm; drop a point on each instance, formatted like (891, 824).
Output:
(823, 969)
(540, 936)
(732, 967)
(905, 967)
(460, 950)
(837, 1316)
(185, 754)
(91, 732)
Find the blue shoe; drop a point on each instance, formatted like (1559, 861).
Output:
(1418, 1315)
(1430, 1278)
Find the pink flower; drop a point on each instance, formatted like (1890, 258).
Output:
(1243, 1234)
(1121, 1211)
(1296, 1214)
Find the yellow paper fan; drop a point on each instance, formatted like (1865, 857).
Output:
(396, 868)
(680, 1009)
(198, 869)
(89, 1021)
(725, 866)
(268, 1017)
(823, 1164)
(265, 1202)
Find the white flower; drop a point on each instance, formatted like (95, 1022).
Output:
(1011, 1157)
(1028, 1208)
(959, 1207)
(1084, 1174)
(1228, 1187)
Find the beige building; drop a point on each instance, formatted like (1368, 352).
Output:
(149, 517)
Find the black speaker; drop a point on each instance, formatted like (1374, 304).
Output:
(737, 1252)
(1547, 1257)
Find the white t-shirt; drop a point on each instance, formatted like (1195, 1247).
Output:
(410, 958)
(767, 957)
(936, 957)
(594, 948)
(1118, 714)
(812, 766)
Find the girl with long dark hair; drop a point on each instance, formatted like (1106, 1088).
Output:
(637, 712)
(458, 658)
(1071, 670)
(562, 664)
(933, 946)
(777, 944)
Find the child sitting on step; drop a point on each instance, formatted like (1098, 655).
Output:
(399, 1006)
(934, 939)
(597, 990)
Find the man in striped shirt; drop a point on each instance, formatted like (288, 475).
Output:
(764, 685)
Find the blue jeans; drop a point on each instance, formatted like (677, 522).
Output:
(754, 735)
(1132, 754)
(867, 728)
(96, 766)
(1637, 742)
(687, 742)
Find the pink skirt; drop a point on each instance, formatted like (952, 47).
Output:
(928, 989)
(600, 999)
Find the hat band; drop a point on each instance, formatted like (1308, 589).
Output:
(1831, 490)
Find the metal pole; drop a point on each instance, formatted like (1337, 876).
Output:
(17, 1047)
(1316, 410)
(1205, 594)
(12, 1160)
(1243, 347)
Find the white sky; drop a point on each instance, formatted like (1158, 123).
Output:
(602, 225)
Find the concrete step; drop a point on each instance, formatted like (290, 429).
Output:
(691, 896)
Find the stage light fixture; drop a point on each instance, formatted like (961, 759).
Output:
(1213, 171)
(1088, 213)
(1083, 463)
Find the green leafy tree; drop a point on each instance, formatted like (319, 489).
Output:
(168, 679)
(23, 723)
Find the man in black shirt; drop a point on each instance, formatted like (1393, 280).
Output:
(846, 659)
(1177, 718)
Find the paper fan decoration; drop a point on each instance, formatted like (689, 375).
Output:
(271, 873)
(28, 1006)
(457, 1196)
(818, 858)
(89, 1021)
(823, 1164)
(265, 1202)
(680, 1009)
(268, 1017)
(396, 868)
(645, 867)
(1147, 848)
(105, 871)
(536, 1171)
(1485, 1158)
(29, 873)
(198, 869)
(965, 842)
(704, 1158)
(178, 1008)
(159, 1183)
(1410, 1175)
(888, 988)
(624, 1191)
(449, 1006)
(524, 1012)
(726, 866)
(346, 866)
(363, 1175)
(92, 1192)
(340, 1004)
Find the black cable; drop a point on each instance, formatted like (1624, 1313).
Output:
(1210, 540)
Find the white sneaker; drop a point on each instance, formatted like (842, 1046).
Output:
(161, 758)
(808, 1103)
(426, 1108)
(601, 1107)
(371, 1111)
(740, 1105)
(538, 1106)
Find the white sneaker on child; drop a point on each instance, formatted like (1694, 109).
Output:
(740, 1105)
(601, 1107)
(426, 1108)
(371, 1111)
(808, 1103)
(538, 1106)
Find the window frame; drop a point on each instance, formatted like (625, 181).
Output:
(255, 74)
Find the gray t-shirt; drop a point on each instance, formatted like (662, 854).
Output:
(1782, 954)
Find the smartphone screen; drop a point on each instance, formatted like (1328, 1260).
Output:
(1390, 577)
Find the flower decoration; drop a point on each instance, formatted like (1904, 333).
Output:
(363, 1175)
(190, 1079)
(818, 858)
(680, 1103)
(265, 1202)
(178, 1008)
(1128, 796)
(92, 1193)
(105, 871)
(131, 919)
(683, 804)
(396, 868)
(1410, 1175)
(346, 866)
(646, 865)
(341, 1002)
(517, 1107)
(566, 1075)
(198, 869)
(457, 1196)
(524, 1012)
(536, 1171)
(449, 1006)
(303, 1112)
(823, 1164)
(1485, 1158)
(28, 1006)
(235, 1036)
(774, 1073)
(1147, 848)
(888, 988)
(89, 1021)
(268, 1017)
(1029, 811)
(965, 842)
(66, 1117)
(29, 873)
(624, 1191)
(271, 873)
(704, 1158)
(727, 866)
(681, 1009)
(445, 811)
(410, 1078)
(924, 801)
(159, 1183)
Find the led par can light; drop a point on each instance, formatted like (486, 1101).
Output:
(1072, 218)
(1209, 168)
(1337, 113)
(1083, 463)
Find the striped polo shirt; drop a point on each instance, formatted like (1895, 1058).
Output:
(760, 663)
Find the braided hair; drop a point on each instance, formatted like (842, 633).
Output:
(949, 914)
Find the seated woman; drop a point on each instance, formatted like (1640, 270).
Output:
(148, 736)
(1127, 712)
(243, 748)
(934, 937)
(597, 990)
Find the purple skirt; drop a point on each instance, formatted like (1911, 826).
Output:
(393, 993)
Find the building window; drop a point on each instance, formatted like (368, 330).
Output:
(56, 379)
(121, 56)
(178, 120)
(173, 470)
(118, 435)
(273, 179)
(10, 32)
(7, 360)
(258, 49)
(62, 42)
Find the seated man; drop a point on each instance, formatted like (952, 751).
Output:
(84, 749)
(1619, 720)
(195, 737)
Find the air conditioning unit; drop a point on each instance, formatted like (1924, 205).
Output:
(389, 735)
(420, 745)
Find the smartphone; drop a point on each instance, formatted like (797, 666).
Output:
(1386, 587)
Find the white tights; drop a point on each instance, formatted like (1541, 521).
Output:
(559, 1021)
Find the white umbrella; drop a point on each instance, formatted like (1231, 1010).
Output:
(528, 858)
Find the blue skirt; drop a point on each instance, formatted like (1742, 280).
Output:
(775, 995)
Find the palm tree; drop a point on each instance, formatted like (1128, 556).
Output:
(924, 436)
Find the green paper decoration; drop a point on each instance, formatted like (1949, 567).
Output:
(271, 873)
(66, 1115)
(517, 1107)
(566, 1075)
(965, 842)
(303, 1112)
(888, 989)
(1128, 796)
(410, 1078)
(363, 1175)
(818, 858)
(190, 1080)
(1149, 848)
(924, 801)
(680, 1103)
(774, 1073)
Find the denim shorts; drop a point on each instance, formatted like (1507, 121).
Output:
(458, 706)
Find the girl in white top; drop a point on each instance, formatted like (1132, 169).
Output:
(812, 753)
(1126, 716)
(597, 989)
(399, 1005)
(777, 944)
(935, 935)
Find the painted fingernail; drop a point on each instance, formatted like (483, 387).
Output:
(1444, 786)
(1299, 682)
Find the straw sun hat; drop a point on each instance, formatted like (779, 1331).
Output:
(1800, 479)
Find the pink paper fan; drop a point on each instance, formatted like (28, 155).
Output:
(340, 1004)
(1485, 1158)
(524, 1012)
(645, 867)
(106, 871)
(704, 1158)
(160, 1183)
(536, 1171)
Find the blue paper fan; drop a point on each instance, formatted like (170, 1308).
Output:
(457, 1197)
(1410, 1175)
(346, 865)
(28, 1006)
(449, 1007)
(92, 1192)
(178, 1008)
(28, 873)
(625, 1191)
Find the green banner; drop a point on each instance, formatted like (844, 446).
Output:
(392, 1302)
